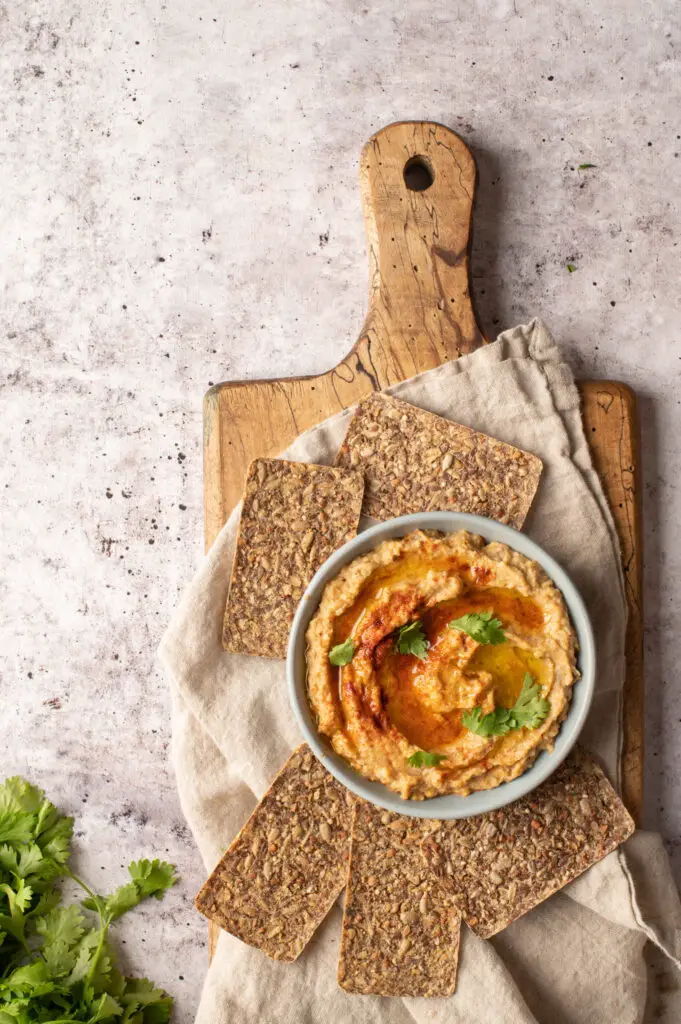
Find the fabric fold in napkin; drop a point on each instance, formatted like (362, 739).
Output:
(579, 957)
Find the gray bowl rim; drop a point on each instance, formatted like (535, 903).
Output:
(449, 806)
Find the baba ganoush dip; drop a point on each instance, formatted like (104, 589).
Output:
(438, 663)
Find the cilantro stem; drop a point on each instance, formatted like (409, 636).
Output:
(103, 926)
(100, 948)
(64, 1020)
(82, 884)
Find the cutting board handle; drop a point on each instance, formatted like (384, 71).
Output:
(419, 314)
(418, 183)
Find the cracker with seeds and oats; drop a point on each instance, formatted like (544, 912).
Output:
(293, 517)
(401, 926)
(415, 461)
(504, 863)
(284, 871)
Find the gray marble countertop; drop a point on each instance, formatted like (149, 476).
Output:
(180, 205)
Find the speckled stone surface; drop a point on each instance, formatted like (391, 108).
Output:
(180, 205)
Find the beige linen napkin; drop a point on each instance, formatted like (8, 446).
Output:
(578, 958)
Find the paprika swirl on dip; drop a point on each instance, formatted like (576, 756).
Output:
(439, 663)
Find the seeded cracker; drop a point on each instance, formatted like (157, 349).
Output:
(293, 517)
(414, 461)
(284, 871)
(502, 864)
(401, 926)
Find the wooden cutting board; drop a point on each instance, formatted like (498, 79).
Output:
(417, 183)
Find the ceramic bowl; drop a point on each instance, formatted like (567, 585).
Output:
(451, 805)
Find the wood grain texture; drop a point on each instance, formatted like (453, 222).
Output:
(419, 316)
(611, 425)
(419, 311)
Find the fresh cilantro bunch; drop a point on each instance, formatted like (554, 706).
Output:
(529, 711)
(56, 964)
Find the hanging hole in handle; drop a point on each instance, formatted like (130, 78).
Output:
(418, 174)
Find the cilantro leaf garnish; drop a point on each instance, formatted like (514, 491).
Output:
(529, 711)
(342, 654)
(55, 962)
(570, 267)
(410, 639)
(424, 759)
(531, 708)
(481, 626)
(583, 167)
(496, 723)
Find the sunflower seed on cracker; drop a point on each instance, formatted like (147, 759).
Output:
(415, 461)
(401, 925)
(504, 863)
(284, 871)
(293, 517)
